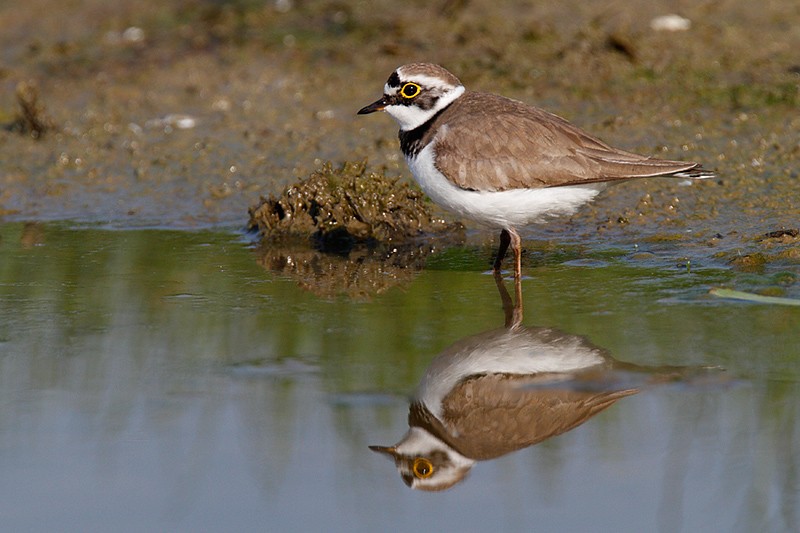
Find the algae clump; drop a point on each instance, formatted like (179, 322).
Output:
(338, 208)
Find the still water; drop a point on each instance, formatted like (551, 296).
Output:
(163, 380)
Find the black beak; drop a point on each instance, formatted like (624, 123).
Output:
(390, 451)
(377, 105)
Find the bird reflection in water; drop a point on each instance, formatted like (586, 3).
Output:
(503, 390)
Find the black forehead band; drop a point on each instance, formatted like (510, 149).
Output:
(394, 80)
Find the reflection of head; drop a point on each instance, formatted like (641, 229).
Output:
(425, 462)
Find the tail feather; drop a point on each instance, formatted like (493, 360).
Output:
(696, 173)
(617, 164)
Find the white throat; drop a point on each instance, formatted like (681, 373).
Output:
(411, 116)
(419, 441)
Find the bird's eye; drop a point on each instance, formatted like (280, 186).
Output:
(422, 468)
(410, 90)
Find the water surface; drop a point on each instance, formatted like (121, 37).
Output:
(164, 380)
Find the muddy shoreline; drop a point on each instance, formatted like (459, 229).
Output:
(183, 115)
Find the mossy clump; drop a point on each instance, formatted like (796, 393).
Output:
(754, 262)
(338, 208)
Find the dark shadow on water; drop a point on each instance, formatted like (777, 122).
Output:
(506, 389)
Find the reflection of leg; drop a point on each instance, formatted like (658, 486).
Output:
(505, 298)
(505, 240)
(518, 296)
(512, 310)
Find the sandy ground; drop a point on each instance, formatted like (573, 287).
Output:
(182, 114)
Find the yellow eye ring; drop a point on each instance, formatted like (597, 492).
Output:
(410, 90)
(422, 468)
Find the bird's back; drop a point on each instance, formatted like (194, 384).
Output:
(487, 142)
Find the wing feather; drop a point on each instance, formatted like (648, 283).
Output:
(490, 415)
(490, 143)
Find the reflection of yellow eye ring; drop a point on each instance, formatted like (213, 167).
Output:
(422, 468)
(410, 90)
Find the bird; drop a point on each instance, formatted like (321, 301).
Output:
(497, 392)
(508, 388)
(502, 162)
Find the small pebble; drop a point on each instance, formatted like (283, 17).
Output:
(670, 23)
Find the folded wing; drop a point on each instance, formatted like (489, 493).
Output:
(490, 143)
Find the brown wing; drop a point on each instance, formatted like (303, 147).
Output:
(488, 416)
(490, 143)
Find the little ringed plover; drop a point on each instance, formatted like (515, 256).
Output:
(499, 161)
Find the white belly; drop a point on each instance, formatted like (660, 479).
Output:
(505, 209)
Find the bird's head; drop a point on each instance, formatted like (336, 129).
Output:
(415, 93)
(424, 462)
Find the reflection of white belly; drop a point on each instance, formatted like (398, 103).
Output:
(526, 351)
(512, 208)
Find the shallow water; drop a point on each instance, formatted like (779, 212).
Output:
(163, 380)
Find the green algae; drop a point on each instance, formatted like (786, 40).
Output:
(750, 297)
